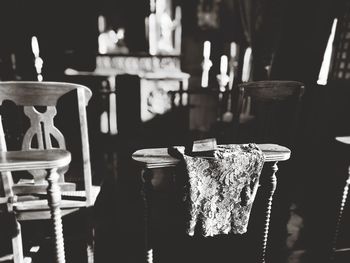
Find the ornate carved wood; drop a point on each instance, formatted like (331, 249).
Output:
(269, 186)
(42, 128)
(54, 197)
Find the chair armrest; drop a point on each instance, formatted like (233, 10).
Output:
(33, 160)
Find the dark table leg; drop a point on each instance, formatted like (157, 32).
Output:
(339, 218)
(269, 185)
(146, 191)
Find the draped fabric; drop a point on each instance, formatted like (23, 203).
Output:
(221, 189)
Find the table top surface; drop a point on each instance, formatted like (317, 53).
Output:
(159, 157)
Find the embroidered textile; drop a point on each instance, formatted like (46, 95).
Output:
(221, 189)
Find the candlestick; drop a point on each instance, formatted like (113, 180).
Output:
(38, 62)
(223, 65)
(152, 5)
(206, 49)
(206, 64)
(152, 34)
(101, 23)
(233, 50)
(35, 47)
(178, 30)
(247, 64)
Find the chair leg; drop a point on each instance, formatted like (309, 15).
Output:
(17, 246)
(90, 239)
(90, 252)
(146, 190)
(54, 200)
(340, 215)
(269, 185)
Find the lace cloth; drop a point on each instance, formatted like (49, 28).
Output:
(221, 189)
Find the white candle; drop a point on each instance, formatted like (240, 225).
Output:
(206, 49)
(247, 60)
(101, 22)
(104, 122)
(35, 46)
(152, 34)
(233, 49)
(223, 65)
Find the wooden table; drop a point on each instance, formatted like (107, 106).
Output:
(159, 158)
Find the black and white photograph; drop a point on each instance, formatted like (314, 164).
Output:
(174, 131)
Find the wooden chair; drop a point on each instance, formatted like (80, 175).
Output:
(38, 141)
(274, 111)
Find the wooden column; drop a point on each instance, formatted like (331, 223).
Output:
(146, 195)
(54, 200)
(269, 184)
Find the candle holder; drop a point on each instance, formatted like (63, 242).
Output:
(223, 80)
(206, 65)
(38, 62)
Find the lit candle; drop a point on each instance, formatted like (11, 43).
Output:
(233, 49)
(206, 49)
(104, 122)
(206, 64)
(35, 46)
(247, 64)
(223, 65)
(152, 34)
(178, 30)
(101, 22)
